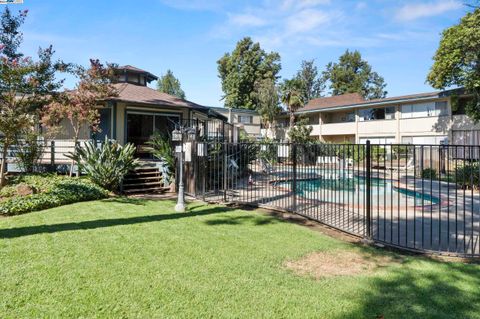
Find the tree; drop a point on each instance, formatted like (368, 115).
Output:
(169, 84)
(242, 70)
(268, 104)
(25, 85)
(457, 61)
(311, 84)
(353, 75)
(10, 35)
(300, 133)
(80, 106)
(291, 97)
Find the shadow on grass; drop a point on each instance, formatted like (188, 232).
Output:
(102, 223)
(240, 220)
(126, 200)
(420, 287)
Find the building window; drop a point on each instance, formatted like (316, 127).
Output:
(245, 119)
(313, 120)
(427, 109)
(349, 117)
(390, 113)
(425, 140)
(372, 114)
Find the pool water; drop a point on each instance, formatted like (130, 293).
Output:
(349, 189)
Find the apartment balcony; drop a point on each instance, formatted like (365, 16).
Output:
(433, 124)
(344, 128)
(315, 130)
(378, 127)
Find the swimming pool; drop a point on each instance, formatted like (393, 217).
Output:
(349, 189)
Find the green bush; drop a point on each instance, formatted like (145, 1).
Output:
(106, 165)
(163, 150)
(429, 173)
(468, 176)
(55, 191)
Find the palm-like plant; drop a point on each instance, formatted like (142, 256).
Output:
(163, 150)
(106, 165)
(291, 97)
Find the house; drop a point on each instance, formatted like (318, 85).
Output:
(247, 120)
(138, 111)
(425, 118)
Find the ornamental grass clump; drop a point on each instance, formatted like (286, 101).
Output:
(107, 164)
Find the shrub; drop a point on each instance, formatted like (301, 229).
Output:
(163, 150)
(60, 191)
(468, 176)
(29, 151)
(106, 165)
(429, 173)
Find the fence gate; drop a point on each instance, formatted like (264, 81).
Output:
(416, 197)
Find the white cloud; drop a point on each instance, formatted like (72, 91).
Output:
(306, 20)
(361, 5)
(246, 20)
(415, 11)
(302, 4)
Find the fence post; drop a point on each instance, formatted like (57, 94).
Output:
(225, 169)
(368, 186)
(52, 155)
(294, 183)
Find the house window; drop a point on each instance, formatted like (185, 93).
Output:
(427, 109)
(245, 119)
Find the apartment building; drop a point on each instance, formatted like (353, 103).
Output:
(247, 120)
(426, 118)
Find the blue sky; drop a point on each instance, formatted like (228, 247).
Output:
(398, 38)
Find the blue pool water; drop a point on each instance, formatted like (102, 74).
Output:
(344, 189)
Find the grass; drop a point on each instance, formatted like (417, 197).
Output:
(121, 258)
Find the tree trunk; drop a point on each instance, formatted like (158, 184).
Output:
(292, 119)
(3, 167)
(75, 141)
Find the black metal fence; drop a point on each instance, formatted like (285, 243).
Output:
(418, 197)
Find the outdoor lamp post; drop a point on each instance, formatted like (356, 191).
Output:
(177, 136)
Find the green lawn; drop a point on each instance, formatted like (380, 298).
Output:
(139, 259)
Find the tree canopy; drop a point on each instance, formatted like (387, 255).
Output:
(352, 74)
(242, 70)
(457, 61)
(268, 101)
(25, 84)
(291, 97)
(169, 84)
(311, 83)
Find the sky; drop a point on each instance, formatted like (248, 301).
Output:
(398, 38)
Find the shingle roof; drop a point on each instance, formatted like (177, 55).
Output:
(333, 101)
(144, 95)
(356, 100)
(131, 68)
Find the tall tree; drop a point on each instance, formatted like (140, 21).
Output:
(10, 35)
(457, 61)
(80, 106)
(291, 97)
(169, 84)
(268, 104)
(241, 70)
(311, 83)
(25, 84)
(352, 74)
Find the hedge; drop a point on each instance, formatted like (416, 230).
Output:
(58, 192)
